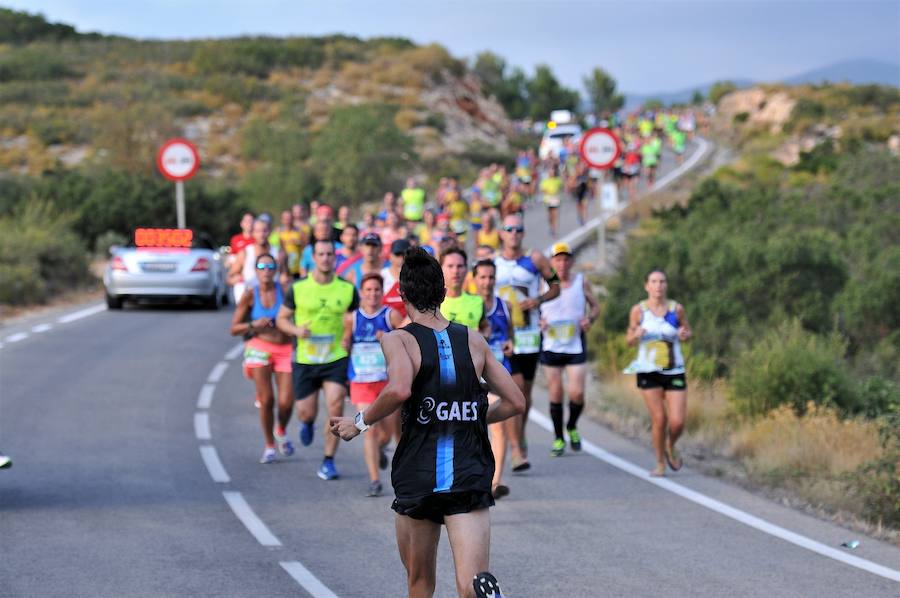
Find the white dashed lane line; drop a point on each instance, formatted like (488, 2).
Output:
(214, 464)
(217, 372)
(201, 426)
(42, 328)
(306, 579)
(253, 523)
(82, 313)
(14, 338)
(204, 399)
(236, 351)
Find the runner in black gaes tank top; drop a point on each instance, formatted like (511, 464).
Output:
(443, 465)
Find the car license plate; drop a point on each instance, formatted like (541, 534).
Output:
(158, 267)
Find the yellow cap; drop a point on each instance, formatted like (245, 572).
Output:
(561, 247)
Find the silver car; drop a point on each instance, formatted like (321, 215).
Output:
(169, 264)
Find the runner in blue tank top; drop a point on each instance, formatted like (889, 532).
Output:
(266, 352)
(443, 465)
(367, 371)
(500, 341)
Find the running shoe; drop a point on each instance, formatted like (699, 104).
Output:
(285, 446)
(375, 489)
(520, 465)
(383, 459)
(486, 586)
(268, 456)
(575, 440)
(559, 448)
(306, 433)
(5, 462)
(327, 471)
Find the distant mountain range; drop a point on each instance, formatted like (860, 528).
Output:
(858, 72)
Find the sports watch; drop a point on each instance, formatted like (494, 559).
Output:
(359, 423)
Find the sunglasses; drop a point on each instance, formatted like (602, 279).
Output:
(514, 229)
(266, 266)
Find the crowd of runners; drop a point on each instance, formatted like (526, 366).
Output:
(321, 300)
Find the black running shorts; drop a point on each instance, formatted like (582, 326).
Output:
(525, 364)
(664, 381)
(434, 507)
(308, 378)
(558, 360)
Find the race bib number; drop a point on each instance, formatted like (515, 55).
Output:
(660, 354)
(527, 340)
(563, 332)
(256, 357)
(368, 362)
(318, 347)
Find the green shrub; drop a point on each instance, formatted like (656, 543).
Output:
(741, 117)
(361, 153)
(790, 366)
(879, 482)
(33, 63)
(40, 255)
(106, 240)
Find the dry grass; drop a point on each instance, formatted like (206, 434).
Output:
(816, 443)
(810, 462)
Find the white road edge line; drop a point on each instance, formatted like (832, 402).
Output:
(83, 313)
(723, 509)
(253, 523)
(578, 236)
(14, 338)
(201, 426)
(214, 464)
(42, 328)
(204, 399)
(307, 580)
(217, 372)
(236, 351)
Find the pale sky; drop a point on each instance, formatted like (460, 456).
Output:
(659, 46)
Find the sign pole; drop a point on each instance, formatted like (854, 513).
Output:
(179, 203)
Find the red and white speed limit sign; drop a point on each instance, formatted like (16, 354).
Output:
(599, 148)
(178, 159)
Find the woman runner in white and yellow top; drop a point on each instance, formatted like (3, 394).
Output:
(658, 326)
(564, 321)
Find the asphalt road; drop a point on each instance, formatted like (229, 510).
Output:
(105, 417)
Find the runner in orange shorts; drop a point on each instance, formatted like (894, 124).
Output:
(367, 371)
(267, 351)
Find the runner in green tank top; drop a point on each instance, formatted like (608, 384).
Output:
(313, 312)
(413, 203)
(459, 306)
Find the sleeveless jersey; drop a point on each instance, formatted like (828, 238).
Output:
(499, 320)
(520, 279)
(413, 204)
(321, 307)
(466, 310)
(259, 311)
(367, 362)
(444, 446)
(563, 316)
(659, 349)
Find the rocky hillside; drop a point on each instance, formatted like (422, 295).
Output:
(69, 100)
(787, 122)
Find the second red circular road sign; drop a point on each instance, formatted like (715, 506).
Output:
(599, 148)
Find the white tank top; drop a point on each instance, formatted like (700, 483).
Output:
(660, 349)
(563, 316)
(520, 279)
